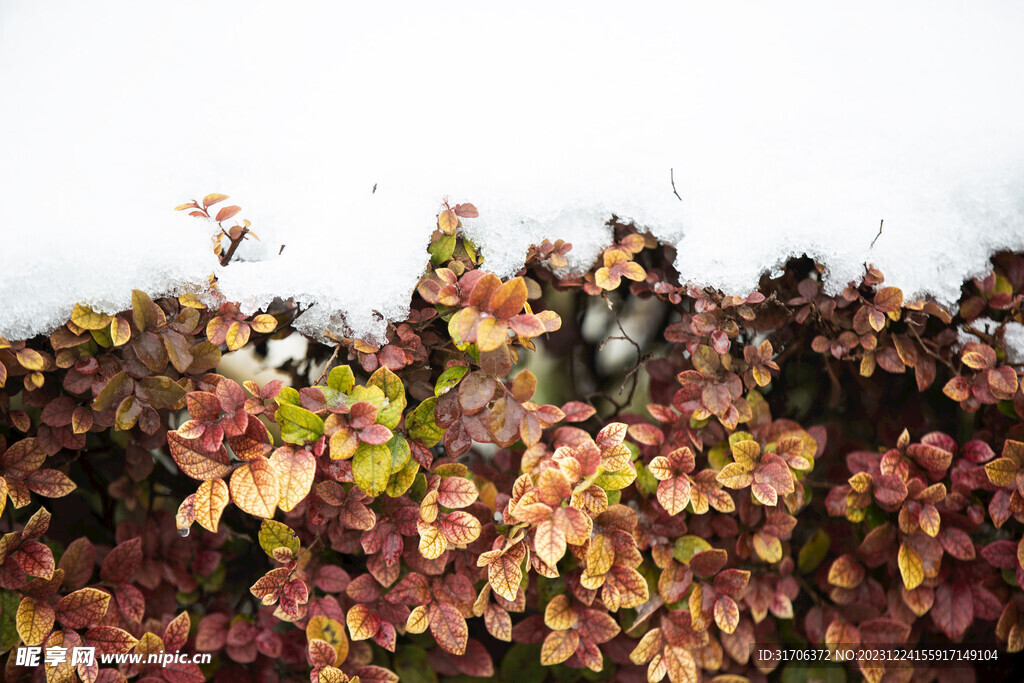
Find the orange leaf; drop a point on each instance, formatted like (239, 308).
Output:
(509, 298)
(254, 488)
(82, 608)
(448, 627)
(362, 621)
(295, 470)
(195, 462)
(447, 221)
(227, 212)
(491, 334)
(211, 199)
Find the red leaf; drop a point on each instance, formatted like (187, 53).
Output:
(121, 563)
(82, 608)
(953, 610)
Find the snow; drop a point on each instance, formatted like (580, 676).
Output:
(790, 128)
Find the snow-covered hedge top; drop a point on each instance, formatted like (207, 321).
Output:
(787, 128)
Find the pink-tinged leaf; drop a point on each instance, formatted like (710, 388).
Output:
(176, 633)
(448, 627)
(110, 640)
(50, 483)
(575, 411)
(121, 563)
(35, 559)
(456, 492)
(77, 562)
(953, 610)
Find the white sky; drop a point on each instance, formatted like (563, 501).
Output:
(792, 127)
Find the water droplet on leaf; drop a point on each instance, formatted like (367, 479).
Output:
(183, 531)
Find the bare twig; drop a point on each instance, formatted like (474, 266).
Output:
(327, 367)
(882, 222)
(672, 177)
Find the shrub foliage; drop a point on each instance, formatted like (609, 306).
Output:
(511, 484)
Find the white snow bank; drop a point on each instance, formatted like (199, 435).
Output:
(791, 128)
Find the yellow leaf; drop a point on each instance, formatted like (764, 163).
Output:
(491, 334)
(30, 359)
(264, 324)
(419, 619)
(559, 614)
(447, 222)
(209, 503)
(120, 331)
(237, 336)
(34, 621)
(768, 548)
(911, 566)
(330, 631)
(88, 319)
(432, 541)
(558, 647)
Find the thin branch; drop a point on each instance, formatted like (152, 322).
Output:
(882, 222)
(672, 177)
(226, 258)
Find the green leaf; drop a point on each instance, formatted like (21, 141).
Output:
(372, 395)
(449, 378)
(412, 666)
(277, 535)
(394, 390)
(522, 664)
(736, 437)
(371, 468)
(9, 601)
(813, 552)
(421, 425)
(614, 481)
(287, 395)
(402, 479)
(400, 452)
(688, 546)
(341, 379)
(298, 425)
(645, 482)
(441, 250)
(471, 250)
(800, 672)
